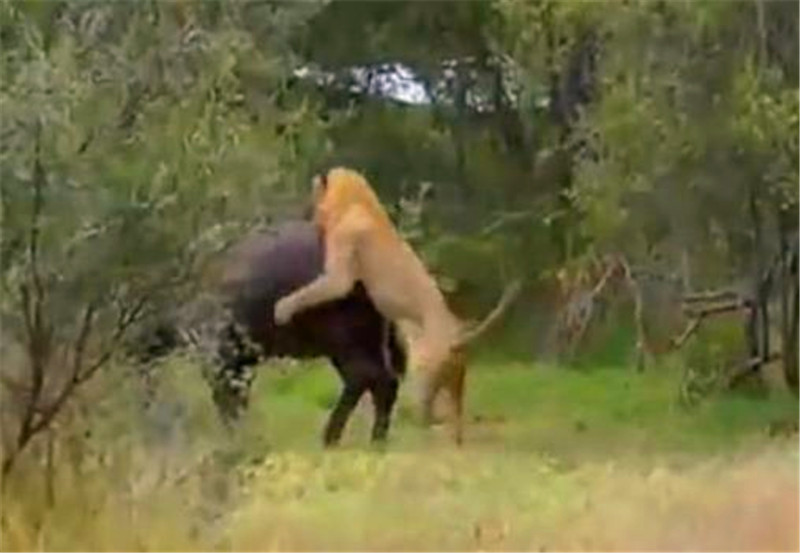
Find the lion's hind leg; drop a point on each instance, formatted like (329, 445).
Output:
(453, 386)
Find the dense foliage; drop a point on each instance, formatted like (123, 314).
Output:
(506, 138)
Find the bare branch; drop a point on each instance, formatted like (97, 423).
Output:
(747, 367)
(611, 271)
(126, 317)
(35, 230)
(24, 306)
(83, 336)
(643, 346)
(691, 328)
(504, 219)
(33, 302)
(710, 295)
(717, 309)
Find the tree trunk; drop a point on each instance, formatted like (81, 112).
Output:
(462, 77)
(758, 320)
(686, 270)
(790, 309)
(790, 351)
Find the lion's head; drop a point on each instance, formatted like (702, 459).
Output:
(338, 191)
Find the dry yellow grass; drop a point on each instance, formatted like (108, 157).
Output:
(460, 501)
(602, 486)
(355, 500)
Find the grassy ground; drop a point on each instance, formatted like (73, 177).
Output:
(554, 459)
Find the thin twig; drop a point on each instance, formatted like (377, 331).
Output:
(33, 304)
(710, 295)
(717, 309)
(125, 319)
(83, 335)
(747, 367)
(691, 328)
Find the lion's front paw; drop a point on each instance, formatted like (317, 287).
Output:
(283, 312)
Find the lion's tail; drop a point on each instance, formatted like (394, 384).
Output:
(509, 295)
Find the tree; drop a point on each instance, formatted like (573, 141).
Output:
(692, 146)
(129, 158)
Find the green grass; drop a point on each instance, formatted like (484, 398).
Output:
(554, 458)
(571, 415)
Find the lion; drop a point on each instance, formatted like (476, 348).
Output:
(362, 245)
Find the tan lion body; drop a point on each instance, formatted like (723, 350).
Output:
(361, 244)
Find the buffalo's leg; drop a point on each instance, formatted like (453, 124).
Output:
(338, 418)
(355, 384)
(384, 394)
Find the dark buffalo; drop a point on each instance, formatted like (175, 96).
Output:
(361, 344)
